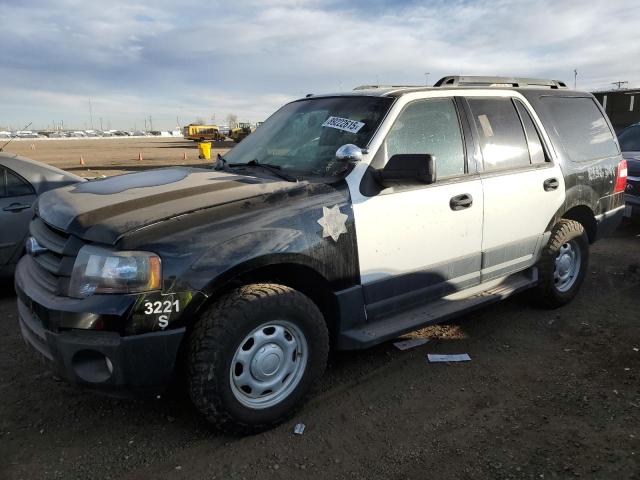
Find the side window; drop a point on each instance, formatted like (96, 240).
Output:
(429, 126)
(582, 128)
(502, 138)
(629, 139)
(536, 150)
(3, 183)
(15, 186)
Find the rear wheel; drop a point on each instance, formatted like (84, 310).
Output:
(254, 356)
(563, 264)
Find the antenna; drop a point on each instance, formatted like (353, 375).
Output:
(620, 84)
(91, 113)
(11, 140)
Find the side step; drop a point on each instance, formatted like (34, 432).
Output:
(441, 310)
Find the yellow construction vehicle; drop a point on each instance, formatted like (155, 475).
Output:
(202, 133)
(238, 133)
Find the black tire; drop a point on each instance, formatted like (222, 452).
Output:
(219, 333)
(547, 292)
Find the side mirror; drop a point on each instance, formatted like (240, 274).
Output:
(349, 153)
(408, 168)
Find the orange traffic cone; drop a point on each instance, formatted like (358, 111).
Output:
(140, 156)
(81, 161)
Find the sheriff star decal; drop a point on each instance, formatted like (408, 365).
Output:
(333, 222)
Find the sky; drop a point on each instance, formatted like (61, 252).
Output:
(179, 61)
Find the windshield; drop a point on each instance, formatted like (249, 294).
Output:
(303, 136)
(630, 139)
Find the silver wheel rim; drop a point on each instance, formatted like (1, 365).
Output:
(268, 364)
(567, 266)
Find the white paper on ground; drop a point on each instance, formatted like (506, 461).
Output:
(412, 342)
(460, 357)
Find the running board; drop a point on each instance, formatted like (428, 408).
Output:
(441, 310)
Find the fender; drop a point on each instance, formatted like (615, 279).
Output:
(579, 195)
(206, 250)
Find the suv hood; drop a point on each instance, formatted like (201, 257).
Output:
(104, 210)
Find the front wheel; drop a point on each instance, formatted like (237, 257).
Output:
(254, 356)
(563, 264)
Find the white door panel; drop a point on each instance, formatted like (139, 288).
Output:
(517, 207)
(411, 230)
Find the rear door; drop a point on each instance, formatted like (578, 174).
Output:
(523, 187)
(16, 210)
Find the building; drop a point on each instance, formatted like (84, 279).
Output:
(622, 106)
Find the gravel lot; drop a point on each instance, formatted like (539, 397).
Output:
(112, 156)
(548, 394)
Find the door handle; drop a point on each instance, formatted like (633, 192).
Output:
(550, 184)
(460, 202)
(16, 207)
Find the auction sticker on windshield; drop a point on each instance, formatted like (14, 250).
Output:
(345, 124)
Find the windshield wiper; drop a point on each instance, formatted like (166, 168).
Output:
(221, 163)
(270, 167)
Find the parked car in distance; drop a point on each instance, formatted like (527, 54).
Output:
(629, 139)
(344, 221)
(27, 134)
(21, 181)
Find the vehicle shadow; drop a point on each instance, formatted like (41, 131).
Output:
(628, 227)
(7, 289)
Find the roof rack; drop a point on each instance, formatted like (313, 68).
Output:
(370, 87)
(475, 81)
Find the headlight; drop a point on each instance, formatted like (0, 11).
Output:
(99, 270)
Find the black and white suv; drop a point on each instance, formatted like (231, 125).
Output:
(344, 220)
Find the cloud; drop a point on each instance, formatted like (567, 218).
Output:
(194, 59)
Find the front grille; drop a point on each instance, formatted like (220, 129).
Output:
(52, 269)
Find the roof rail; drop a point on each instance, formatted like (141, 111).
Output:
(370, 87)
(475, 81)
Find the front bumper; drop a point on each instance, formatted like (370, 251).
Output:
(103, 360)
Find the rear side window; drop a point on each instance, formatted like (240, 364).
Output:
(582, 128)
(536, 150)
(502, 138)
(12, 185)
(3, 183)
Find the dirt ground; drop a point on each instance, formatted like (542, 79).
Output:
(547, 394)
(112, 156)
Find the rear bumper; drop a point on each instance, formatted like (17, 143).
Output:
(632, 204)
(101, 360)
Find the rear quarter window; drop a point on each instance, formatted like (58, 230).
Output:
(582, 128)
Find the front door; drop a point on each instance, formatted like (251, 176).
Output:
(16, 210)
(419, 243)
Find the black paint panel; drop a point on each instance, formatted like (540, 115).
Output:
(390, 294)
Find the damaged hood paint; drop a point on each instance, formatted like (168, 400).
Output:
(104, 210)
